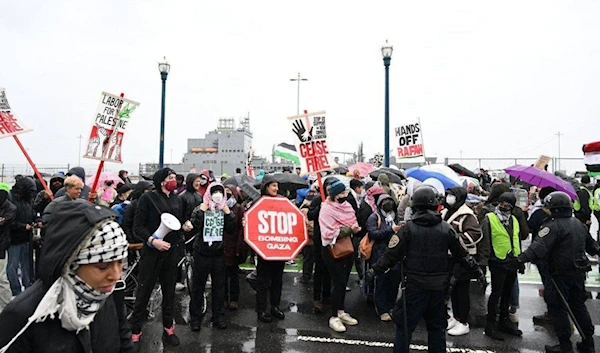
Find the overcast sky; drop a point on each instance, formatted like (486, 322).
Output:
(491, 79)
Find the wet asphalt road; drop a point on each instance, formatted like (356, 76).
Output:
(304, 331)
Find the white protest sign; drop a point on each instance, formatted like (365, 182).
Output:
(213, 226)
(9, 125)
(409, 143)
(310, 138)
(108, 129)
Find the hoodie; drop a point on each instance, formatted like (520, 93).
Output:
(204, 187)
(261, 175)
(234, 242)
(380, 230)
(190, 198)
(80, 172)
(8, 211)
(108, 332)
(384, 181)
(41, 201)
(129, 215)
(22, 197)
(212, 224)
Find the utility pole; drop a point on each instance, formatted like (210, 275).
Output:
(299, 79)
(79, 156)
(559, 135)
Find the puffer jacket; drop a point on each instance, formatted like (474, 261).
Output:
(108, 333)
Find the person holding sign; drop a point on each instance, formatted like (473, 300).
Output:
(338, 220)
(211, 219)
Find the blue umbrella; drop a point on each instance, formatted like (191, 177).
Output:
(423, 175)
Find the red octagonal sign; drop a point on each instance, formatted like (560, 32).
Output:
(275, 229)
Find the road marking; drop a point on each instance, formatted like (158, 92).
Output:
(384, 344)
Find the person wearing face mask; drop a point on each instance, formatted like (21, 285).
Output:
(464, 222)
(381, 225)
(337, 220)
(204, 182)
(235, 247)
(71, 307)
(43, 197)
(501, 229)
(212, 218)
(159, 257)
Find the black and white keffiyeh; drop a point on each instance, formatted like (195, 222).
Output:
(70, 298)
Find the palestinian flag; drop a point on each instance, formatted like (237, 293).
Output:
(591, 158)
(287, 151)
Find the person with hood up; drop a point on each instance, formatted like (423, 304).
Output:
(135, 242)
(123, 193)
(363, 211)
(43, 197)
(204, 182)
(337, 220)
(269, 273)
(73, 186)
(71, 307)
(190, 199)
(8, 211)
(180, 184)
(321, 277)
(124, 175)
(85, 191)
(464, 222)
(21, 233)
(381, 225)
(212, 218)
(384, 181)
(501, 230)
(235, 246)
(159, 257)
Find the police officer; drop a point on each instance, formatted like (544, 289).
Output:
(562, 242)
(423, 244)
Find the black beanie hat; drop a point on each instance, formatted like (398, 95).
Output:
(508, 197)
(160, 176)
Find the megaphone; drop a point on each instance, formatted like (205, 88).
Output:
(168, 223)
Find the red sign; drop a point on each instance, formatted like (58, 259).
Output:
(275, 229)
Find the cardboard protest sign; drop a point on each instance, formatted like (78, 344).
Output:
(310, 138)
(9, 125)
(409, 142)
(542, 162)
(108, 129)
(213, 227)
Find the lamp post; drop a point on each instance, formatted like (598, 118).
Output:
(386, 51)
(163, 67)
(299, 79)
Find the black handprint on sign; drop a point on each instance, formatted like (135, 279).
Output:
(300, 131)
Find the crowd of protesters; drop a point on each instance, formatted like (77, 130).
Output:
(70, 252)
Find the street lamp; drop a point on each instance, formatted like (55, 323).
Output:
(163, 67)
(386, 52)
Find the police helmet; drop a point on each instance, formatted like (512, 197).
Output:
(556, 200)
(425, 197)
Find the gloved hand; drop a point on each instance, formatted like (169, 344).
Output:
(345, 232)
(521, 268)
(370, 276)
(481, 278)
(512, 263)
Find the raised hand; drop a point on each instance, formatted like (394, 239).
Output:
(300, 131)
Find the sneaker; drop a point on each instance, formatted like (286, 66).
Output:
(544, 319)
(459, 330)
(335, 323)
(348, 289)
(135, 339)
(170, 337)
(452, 322)
(179, 286)
(348, 320)
(513, 317)
(385, 317)
(290, 263)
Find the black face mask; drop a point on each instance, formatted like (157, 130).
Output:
(342, 199)
(387, 207)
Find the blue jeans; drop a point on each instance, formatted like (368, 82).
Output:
(18, 255)
(420, 303)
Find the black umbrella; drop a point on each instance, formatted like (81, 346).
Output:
(238, 180)
(287, 181)
(396, 176)
(462, 170)
(341, 170)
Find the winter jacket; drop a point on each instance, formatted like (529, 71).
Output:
(379, 231)
(234, 242)
(41, 201)
(25, 216)
(129, 215)
(203, 188)
(49, 210)
(402, 206)
(310, 225)
(190, 198)
(384, 181)
(8, 212)
(108, 332)
(487, 234)
(80, 172)
(149, 208)
(218, 247)
(363, 212)
(313, 215)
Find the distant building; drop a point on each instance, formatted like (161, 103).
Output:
(222, 150)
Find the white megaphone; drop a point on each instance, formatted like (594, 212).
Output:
(168, 223)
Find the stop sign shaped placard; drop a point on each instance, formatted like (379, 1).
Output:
(275, 229)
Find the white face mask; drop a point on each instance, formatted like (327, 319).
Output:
(217, 197)
(451, 200)
(203, 181)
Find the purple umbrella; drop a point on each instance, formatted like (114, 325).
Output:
(541, 178)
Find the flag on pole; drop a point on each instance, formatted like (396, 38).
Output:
(591, 158)
(287, 151)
